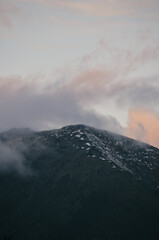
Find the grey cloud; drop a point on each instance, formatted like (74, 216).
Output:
(12, 159)
(24, 103)
(142, 93)
(24, 106)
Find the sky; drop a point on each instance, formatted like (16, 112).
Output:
(94, 62)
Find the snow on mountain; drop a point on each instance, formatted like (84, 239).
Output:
(77, 183)
(139, 159)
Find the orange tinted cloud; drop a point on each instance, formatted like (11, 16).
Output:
(91, 85)
(144, 126)
(95, 79)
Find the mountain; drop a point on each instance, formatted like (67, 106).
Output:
(77, 183)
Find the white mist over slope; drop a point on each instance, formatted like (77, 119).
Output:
(12, 158)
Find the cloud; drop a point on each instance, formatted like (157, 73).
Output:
(30, 102)
(92, 7)
(98, 8)
(91, 85)
(12, 158)
(149, 53)
(125, 79)
(87, 84)
(143, 125)
(28, 105)
(143, 8)
(137, 93)
(7, 11)
(25, 105)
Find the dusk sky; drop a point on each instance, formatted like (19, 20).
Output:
(94, 62)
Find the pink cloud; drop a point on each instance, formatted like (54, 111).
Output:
(143, 125)
(91, 85)
(9, 85)
(7, 11)
(104, 7)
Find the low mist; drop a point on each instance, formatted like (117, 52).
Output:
(12, 159)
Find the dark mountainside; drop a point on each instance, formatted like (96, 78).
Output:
(78, 183)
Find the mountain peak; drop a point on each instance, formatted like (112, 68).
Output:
(85, 182)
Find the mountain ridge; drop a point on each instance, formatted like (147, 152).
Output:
(85, 184)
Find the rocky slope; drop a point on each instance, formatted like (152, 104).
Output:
(77, 183)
